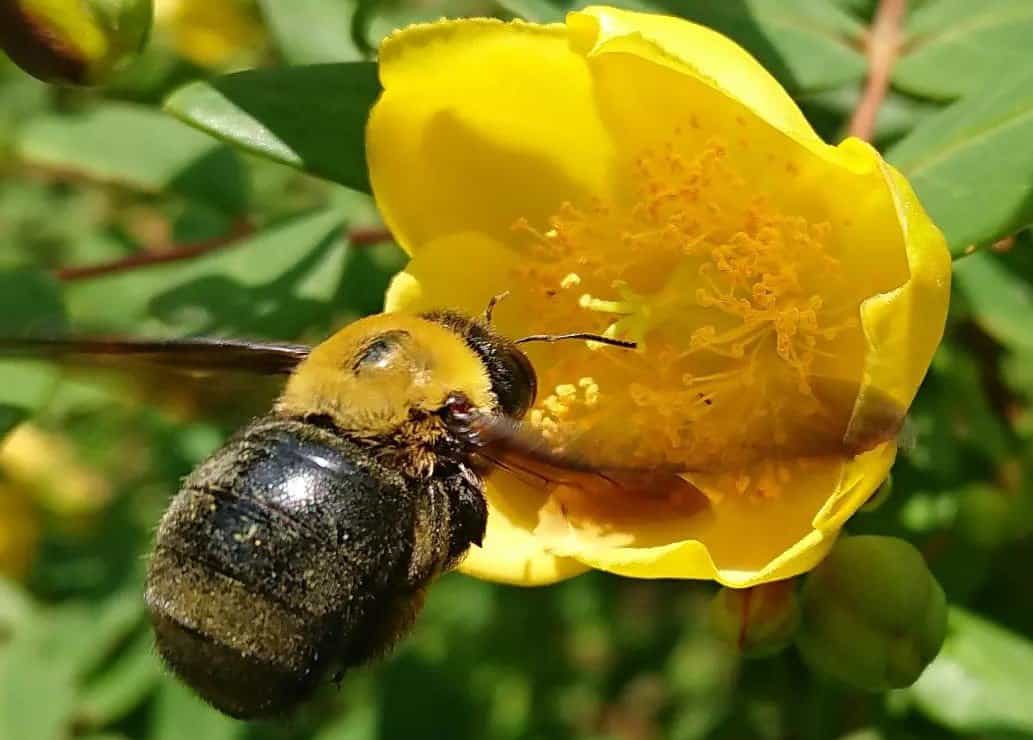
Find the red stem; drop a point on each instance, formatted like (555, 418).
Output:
(882, 45)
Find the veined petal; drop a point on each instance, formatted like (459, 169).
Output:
(465, 135)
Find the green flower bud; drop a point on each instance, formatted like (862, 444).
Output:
(873, 615)
(986, 516)
(758, 621)
(79, 42)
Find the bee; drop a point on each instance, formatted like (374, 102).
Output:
(304, 546)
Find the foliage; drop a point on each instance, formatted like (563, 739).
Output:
(91, 177)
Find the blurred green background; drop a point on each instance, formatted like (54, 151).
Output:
(96, 177)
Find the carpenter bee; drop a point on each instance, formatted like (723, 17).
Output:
(305, 544)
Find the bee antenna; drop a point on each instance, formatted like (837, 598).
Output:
(623, 343)
(491, 305)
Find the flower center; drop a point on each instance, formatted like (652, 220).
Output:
(738, 307)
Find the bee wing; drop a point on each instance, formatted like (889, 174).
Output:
(849, 429)
(191, 355)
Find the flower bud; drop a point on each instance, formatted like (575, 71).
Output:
(986, 516)
(73, 41)
(19, 532)
(758, 621)
(873, 615)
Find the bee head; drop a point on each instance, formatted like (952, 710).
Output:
(373, 375)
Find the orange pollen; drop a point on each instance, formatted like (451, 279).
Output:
(731, 299)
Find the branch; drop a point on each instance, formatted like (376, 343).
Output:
(360, 236)
(883, 43)
(155, 257)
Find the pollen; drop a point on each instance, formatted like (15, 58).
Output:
(736, 301)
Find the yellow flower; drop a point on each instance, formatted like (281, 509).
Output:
(210, 34)
(643, 176)
(19, 531)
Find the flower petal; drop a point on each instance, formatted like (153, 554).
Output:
(510, 552)
(739, 538)
(465, 135)
(704, 53)
(904, 326)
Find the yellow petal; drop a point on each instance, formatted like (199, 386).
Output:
(739, 538)
(465, 136)
(904, 326)
(510, 553)
(862, 476)
(697, 50)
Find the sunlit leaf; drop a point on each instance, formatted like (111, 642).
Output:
(275, 284)
(121, 687)
(971, 164)
(139, 148)
(177, 708)
(37, 690)
(980, 681)
(956, 47)
(312, 118)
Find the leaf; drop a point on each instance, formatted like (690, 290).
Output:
(138, 148)
(312, 31)
(972, 164)
(1001, 301)
(277, 283)
(177, 709)
(980, 681)
(312, 118)
(957, 47)
(121, 687)
(37, 691)
(108, 623)
(30, 302)
(808, 46)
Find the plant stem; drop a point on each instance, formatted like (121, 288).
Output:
(882, 45)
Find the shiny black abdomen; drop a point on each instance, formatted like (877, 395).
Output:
(289, 553)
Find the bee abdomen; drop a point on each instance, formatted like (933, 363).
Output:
(267, 561)
(258, 670)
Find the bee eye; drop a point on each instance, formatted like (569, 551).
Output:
(380, 350)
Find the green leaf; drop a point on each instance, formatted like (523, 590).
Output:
(277, 283)
(312, 31)
(808, 46)
(121, 687)
(30, 303)
(37, 691)
(137, 148)
(980, 681)
(109, 623)
(1001, 301)
(957, 47)
(177, 709)
(972, 164)
(312, 118)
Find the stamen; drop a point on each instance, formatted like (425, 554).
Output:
(730, 300)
